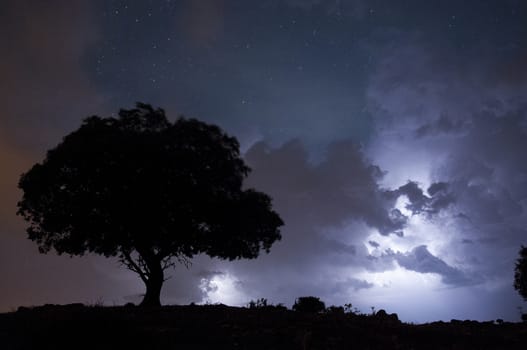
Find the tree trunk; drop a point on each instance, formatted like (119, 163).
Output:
(154, 282)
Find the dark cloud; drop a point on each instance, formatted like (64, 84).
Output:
(433, 93)
(439, 197)
(488, 169)
(437, 187)
(464, 139)
(354, 284)
(329, 208)
(341, 188)
(421, 260)
(44, 85)
(442, 125)
(373, 244)
(45, 91)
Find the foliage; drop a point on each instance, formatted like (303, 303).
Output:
(149, 192)
(214, 327)
(258, 304)
(335, 310)
(309, 305)
(348, 308)
(520, 273)
(263, 304)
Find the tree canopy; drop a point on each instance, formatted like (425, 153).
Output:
(520, 273)
(309, 305)
(149, 192)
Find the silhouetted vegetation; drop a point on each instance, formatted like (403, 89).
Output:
(309, 305)
(520, 273)
(222, 327)
(335, 310)
(149, 192)
(258, 304)
(383, 316)
(262, 304)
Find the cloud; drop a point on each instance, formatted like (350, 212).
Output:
(439, 197)
(421, 260)
(442, 125)
(44, 84)
(450, 133)
(487, 170)
(354, 284)
(45, 91)
(462, 140)
(470, 139)
(330, 209)
(341, 188)
(374, 244)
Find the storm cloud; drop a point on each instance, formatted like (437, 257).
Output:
(465, 145)
(421, 260)
(391, 137)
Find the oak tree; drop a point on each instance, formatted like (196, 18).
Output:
(148, 191)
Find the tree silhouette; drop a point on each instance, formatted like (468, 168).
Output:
(309, 305)
(149, 192)
(520, 273)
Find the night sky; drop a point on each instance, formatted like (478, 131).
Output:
(391, 135)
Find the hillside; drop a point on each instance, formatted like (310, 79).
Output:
(222, 327)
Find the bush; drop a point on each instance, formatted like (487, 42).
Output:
(258, 304)
(386, 317)
(309, 305)
(335, 310)
(263, 304)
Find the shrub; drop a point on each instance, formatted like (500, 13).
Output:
(386, 317)
(335, 310)
(258, 304)
(309, 305)
(263, 304)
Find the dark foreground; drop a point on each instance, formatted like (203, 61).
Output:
(222, 327)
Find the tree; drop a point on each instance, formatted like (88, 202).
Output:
(149, 192)
(309, 305)
(520, 273)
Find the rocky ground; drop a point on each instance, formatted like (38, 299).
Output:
(221, 327)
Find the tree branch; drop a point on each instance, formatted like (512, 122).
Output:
(183, 260)
(127, 260)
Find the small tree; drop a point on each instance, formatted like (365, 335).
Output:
(149, 192)
(520, 273)
(309, 305)
(258, 304)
